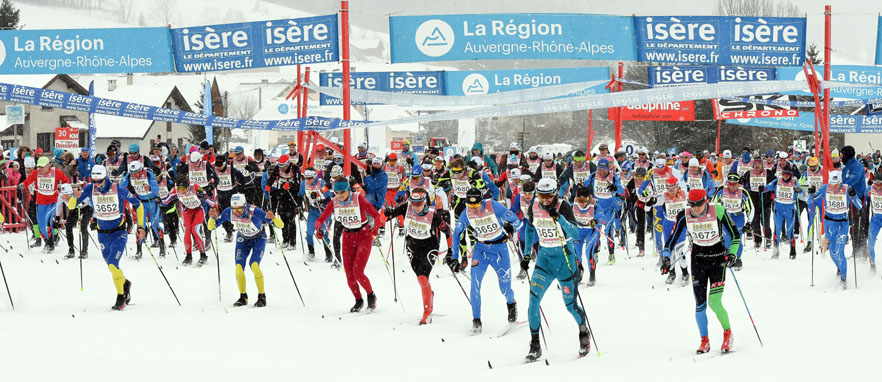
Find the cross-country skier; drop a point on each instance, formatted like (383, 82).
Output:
(738, 205)
(107, 198)
(875, 200)
(141, 182)
(673, 201)
(47, 180)
(550, 221)
(786, 189)
(423, 224)
(588, 237)
(192, 206)
(360, 223)
(705, 222)
(833, 199)
(248, 221)
(608, 192)
(492, 223)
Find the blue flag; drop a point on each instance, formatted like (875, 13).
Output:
(207, 109)
(92, 128)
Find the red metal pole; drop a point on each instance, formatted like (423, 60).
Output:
(304, 100)
(618, 123)
(828, 46)
(299, 100)
(344, 20)
(719, 126)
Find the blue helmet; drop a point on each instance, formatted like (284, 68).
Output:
(238, 150)
(627, 167)
(134, 148)
(770, 153)
(745, 157)
(416, 171)
(603, 163)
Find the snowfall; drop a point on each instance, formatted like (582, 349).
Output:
(643, 328)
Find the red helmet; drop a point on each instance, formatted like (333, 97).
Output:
(393, 156)
(671, 181)
(697, 194)
(284, 159)
(319, 147)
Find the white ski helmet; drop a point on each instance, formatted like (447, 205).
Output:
(134, 166)
(835, 177)
(546, 186)
(336, 171)
(237, 200)
(99, 172)
(195, 156)
(66, 189)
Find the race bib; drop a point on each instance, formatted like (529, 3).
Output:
(836, 204)
(461, 187)
(199, 177)
(547, 231)
(106, 207)
(487, 228)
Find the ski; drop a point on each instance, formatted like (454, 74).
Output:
(508, 327)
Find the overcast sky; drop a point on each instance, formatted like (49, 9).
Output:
(854, 21)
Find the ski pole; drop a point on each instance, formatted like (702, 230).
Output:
(392, 253)
(288, 265)
(217, 260)
(745, 306)
(460, 286)
(8, 293)
(530, 282)
(162, 273)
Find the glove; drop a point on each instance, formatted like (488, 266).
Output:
(387, 211)
(666, 262)
(593, 223)
(267, 188)
(286, 186)
(525, 263)
(812, 190)
(211, 224)
(646, 191)
(314, 195)
(612, 188)
(93, 224)
(509, 229)
(852, 192)
(319, 234)
(277, 221)
(157, 199)
(454, 265)
(399, 199)
(730, 260)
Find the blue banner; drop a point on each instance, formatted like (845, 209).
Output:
(721, 40)
(676, 75)
(839, 123)
(431, 83)
(497, 81)
(208, 109)
(89, 104)
(545, 36)
(258, 44)
(92, 128)
(841, 73)
(72, 51)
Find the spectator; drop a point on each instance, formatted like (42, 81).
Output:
(84, 166)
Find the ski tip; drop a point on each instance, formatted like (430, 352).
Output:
(323, 316)
(442, 340)
(546, 362)
(489, 365)
(72, 316)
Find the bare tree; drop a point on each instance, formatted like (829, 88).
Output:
(243, 106)
(124, 10)
(164, 11)
(756, 8)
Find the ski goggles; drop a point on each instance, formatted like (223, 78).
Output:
(456, 170)
(239, 209)
(672, 186)
(417, 197)
(583, 199)
(579, 159)
(309, 174)
(696, 203)
(545, 195)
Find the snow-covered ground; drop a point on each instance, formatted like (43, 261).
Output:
(644, 328)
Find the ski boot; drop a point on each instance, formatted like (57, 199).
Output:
(512, 312)
(35, 242)
(228, 238)
(641, 253)
(188, 260)
(872, 267)
(138, 254)
(242, 301)
(372, 301)
(775, 252)
(843, 283)
(535, 350)
(748, 236)
(591, 279)
(49, 247)
(477, 327)
(202, 259)
(584, 341)
(70, 253)
(311, 252)
(768, 243)
(793, 252)
(161, 249)
(155, 244)
(672, 275)
(328, 256)
(401, 232)
(261, 300)
(127, 291)
(359, 303)
(612, 259)
(336, 265)
(427, 311)
(522, 274)
(808, 247)
(120, 303)
(727, 341)
(704, 347)
(380, 233)
(737, 265)
(684, 279)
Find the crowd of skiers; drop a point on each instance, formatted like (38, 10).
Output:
(552, 213)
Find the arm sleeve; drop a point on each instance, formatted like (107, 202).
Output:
(494, 191)
(399, 210)
(726, 223)
(506, 215)
(225, 217)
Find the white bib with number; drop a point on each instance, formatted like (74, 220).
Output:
(704, 229)
(460, 187)
(349, 215)
(836, 201)
(106, 205)
(419, 227)
(484, 222)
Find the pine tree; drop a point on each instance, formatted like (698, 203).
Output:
(9, 16)
(812, 54)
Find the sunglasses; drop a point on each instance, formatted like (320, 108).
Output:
(340, 192)
(238, 209)
(543, 195)
(473, 205)
(582, 200)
